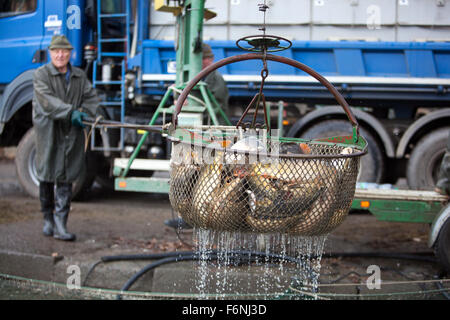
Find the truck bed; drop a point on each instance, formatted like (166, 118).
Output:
(384, 71)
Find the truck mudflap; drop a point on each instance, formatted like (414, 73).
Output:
(441, 218)
(18, 93)
(439, 238)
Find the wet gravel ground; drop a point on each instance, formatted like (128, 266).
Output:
(110, 222)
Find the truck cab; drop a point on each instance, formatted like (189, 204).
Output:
(26, 28)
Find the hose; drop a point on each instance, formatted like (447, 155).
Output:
(420, 256)
(189, 255)
(151, 266)
(131, 257)
(153, 256)
(440, 286)
(170, 257)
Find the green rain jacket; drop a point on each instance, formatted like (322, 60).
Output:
(218, 88)
(60, 155)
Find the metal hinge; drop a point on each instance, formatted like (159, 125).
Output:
(39, 56)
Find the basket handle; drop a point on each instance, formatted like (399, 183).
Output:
(256, 56)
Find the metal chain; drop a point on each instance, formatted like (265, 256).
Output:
(264, 74)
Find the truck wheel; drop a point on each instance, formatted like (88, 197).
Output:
(26, 169)
(442, 246)
(372, 164)
(425, 161)
(104, 177)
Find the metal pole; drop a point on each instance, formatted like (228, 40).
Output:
(196, 11)
(145, 135)
(280, 116)
(208, 104)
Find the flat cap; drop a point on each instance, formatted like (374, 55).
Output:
(60, 42)
(207, 51)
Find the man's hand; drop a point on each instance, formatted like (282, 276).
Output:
(77, 118)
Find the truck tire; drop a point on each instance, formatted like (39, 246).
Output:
(104, 176)
(425, 160)
(26, 169)
(442, 246)
(372, 165)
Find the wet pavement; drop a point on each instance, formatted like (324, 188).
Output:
(116, 223)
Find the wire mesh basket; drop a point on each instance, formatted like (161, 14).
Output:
(233, 179)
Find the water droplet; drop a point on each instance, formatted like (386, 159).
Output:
(247, 265)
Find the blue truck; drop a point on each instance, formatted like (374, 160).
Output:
(399, 90)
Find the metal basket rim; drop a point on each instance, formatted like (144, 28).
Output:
(285, 156)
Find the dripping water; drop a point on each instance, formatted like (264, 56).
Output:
(257, 266)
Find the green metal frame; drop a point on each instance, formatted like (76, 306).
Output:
(211, 106)
(138, 184)
(189, 64)
(400, 205)
(401, 210)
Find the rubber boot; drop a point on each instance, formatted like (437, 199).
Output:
(46, 197)
(62, 208)
(49, 224)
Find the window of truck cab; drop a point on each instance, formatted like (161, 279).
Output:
(10, 8)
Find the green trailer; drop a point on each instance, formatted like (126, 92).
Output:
(411, 206)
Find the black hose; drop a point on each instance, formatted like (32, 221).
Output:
(152, 256)
(444, 293)
(148, 256)
(132, 257)
(153, 265)
(211, 255)
(169, 257)
(441, 287)
(91, 269)
(422, 256)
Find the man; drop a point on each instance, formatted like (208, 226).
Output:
(63, 96)
(214, 80)
(218, 87)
